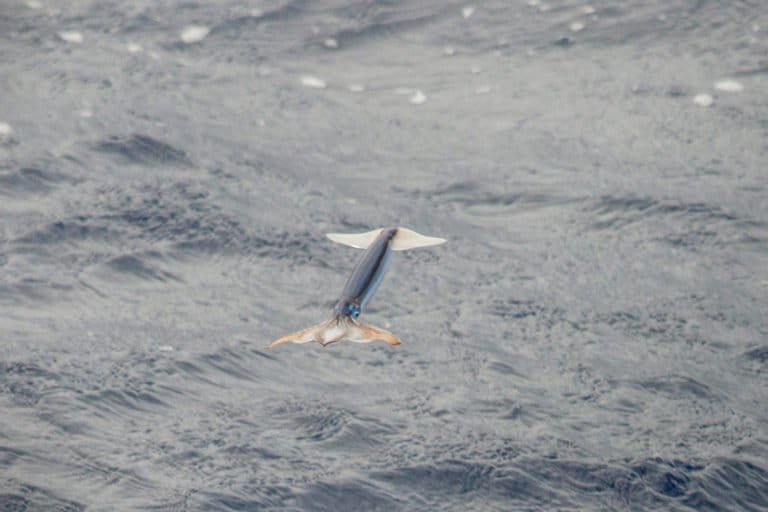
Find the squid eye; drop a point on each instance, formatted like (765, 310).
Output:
(356, 313)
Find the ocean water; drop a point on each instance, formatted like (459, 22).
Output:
(593, 336)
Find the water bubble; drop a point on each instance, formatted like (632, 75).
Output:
(194, 34)
(312, 81)
(729, 86)
(418, 97)
(703, 100)
(71, 36)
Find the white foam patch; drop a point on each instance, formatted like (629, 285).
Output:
(194, 34)
(71, 36)
(312, 81)
(449, 51)
(86, 113)
(356, 87)
(331, 43)
(5, 129)
(729, 86)
(588, 9)
(34, 4)
(476, 70)
(468, 11)
(483, 89)
(418, 97)
(134, 48)
(165, 348)
(703, 100)
(577, 26)
(533, 3)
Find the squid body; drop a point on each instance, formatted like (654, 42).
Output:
(360, 287)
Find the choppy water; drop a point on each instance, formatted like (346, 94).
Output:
(593, 336)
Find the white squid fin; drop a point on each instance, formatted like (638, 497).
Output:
(406, 239)
(403, 240)
(356, 240)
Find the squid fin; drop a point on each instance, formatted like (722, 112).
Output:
(406, 239)
(356, 240)
(303, 336)
(335, 329)
(363, 333)
(403, 240)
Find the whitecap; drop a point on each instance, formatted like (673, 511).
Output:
(134, 48)
(312, 81)
(449, 51)
(703, 100)
(34, 4)
(71, 36)
(356, 87)
(729, 86)
(194, 34)
(331, 43)
(468, 11)
(5, 129)
(483, 89)
(576, 26)
(588, 9)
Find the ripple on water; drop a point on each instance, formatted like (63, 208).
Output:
(348, 495)
(31, 180)
(19, 496)
(142, 149)
(676, 387)
(139, 266)
(720, 484)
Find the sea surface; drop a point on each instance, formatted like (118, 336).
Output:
(593, 336)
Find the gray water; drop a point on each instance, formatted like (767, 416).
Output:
(591, 337)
